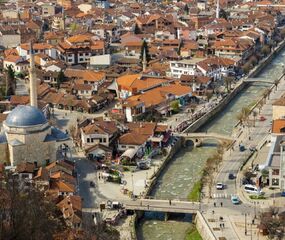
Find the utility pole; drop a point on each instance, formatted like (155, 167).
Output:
(245, 229)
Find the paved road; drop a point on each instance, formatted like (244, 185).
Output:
(235, 158)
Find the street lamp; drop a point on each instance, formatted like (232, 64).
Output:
(245, 229)
(132, 184)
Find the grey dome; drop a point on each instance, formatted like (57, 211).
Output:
(25, 116)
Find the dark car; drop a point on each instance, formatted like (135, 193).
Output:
(231, 176)
(282, 194)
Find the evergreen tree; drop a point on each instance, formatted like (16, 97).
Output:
(10, 81)
(60, 79)
(186, 9)
(137, 29)
(145, 48)
(179, 47)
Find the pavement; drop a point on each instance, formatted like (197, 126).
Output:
(234, 215)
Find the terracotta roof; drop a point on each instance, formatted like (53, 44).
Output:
(13, 58)
(36, 46)
(278, 126)
(3, 117)
(101, 127)
(87, 75)
(25, 168)
(133, 139)
(19, 100)
(62, 186)
(138, 82)
(279, 102)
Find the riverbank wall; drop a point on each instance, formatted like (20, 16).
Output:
(241, 85)
(164, 164)
(203, 228)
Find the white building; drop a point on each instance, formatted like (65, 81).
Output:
(184, 67)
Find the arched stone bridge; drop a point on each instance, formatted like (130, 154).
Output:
(258, 80)
(198, 137)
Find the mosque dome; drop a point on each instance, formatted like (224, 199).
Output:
(25, 116)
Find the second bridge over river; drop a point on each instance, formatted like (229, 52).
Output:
(198, 137)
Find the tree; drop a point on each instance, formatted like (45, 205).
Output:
(276, 82)
(259, 106)
(228, 81)
(175, 106)
(246, 67)
(10, 81)
(209, 95)
(223, 14)
(186, 9)
(144, 48)
(73, 27)
(254, 113)
(26, 203)
(60, 79)
(253, 60)
(265, 50)
(282, 33)
(137, 29)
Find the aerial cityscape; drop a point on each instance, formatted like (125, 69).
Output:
(142, 120)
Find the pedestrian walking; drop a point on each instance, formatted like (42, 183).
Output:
(249, 138)
(170, 202)
(147, 206)
(214, 204)
(213, 212)
(221, 204)
(141, 203)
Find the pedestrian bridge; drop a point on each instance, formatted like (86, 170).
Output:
(258, 80)
(198, 137)
(166, 206)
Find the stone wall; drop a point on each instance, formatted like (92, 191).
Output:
(203, 228)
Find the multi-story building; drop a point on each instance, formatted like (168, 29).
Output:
(79, 48)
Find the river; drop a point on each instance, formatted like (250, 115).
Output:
(180, 175)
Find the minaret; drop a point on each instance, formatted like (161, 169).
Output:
(63, 18)
(33, 83)
(218, 9)
(144, 62)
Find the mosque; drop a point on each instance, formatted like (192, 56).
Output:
(27, 135)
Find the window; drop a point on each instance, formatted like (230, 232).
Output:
(104, 140)
(88, 140)
(81, 59)
(275, 171)
(80, 54)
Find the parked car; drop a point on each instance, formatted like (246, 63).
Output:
(220, 186)
(262, 118)
(92, 184)
(235, 200)
(282, 194)
(241, 148)
(231, 176)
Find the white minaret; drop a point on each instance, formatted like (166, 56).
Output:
(218, 9)
(33, 83)
(144, 62)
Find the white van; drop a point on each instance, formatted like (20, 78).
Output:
(252, 189)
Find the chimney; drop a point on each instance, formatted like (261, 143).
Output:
(33, 84)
